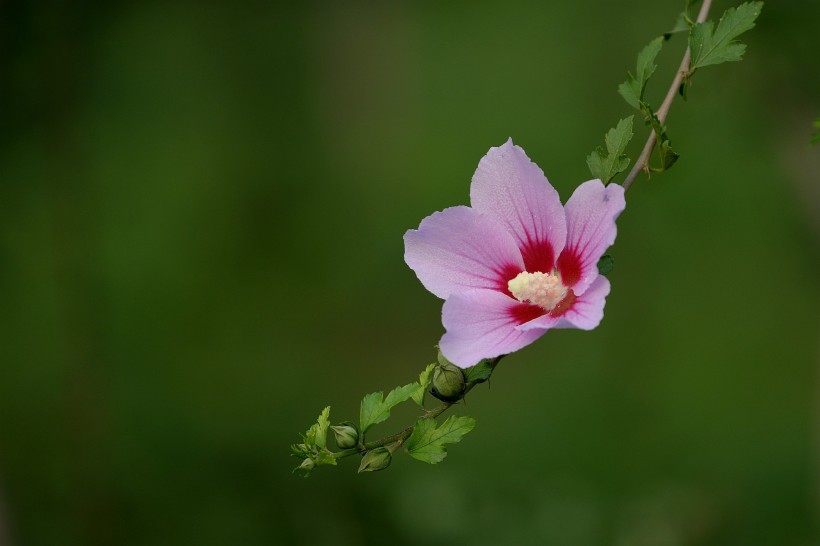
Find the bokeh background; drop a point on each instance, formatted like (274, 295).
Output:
(201, 213)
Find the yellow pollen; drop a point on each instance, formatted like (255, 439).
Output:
(541, 289)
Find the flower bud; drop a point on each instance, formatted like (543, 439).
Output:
(347, 435)
(307, 464)
(448, 380)
(305, 468)
(375, 459)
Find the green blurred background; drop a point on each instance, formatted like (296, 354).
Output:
(201, 213)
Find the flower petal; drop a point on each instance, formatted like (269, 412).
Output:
(482, 324)
(587, 310)
(460, 249)
(591, 214)
(513, 190)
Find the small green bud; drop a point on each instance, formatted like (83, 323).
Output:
(448, 380)
(307, 464)
(347, 435)
(305, 468)
(375, 459)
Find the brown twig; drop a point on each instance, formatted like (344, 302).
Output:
(642, 164)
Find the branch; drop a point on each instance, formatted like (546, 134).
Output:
(400, 437)
(642, 164)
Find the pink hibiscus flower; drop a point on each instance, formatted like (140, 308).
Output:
(517, 263)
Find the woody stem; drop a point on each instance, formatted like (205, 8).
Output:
(642, 164)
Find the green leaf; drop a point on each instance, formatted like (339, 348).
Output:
(815, 137)
(370, 407)
(426, 443)
(425, 378)
(399, 395)
(313, 449)
(684, 21)
(375, 408)
(682, 24)
(317, 433)
(719, 46)
(606, 264)
(632, 89)
(309, 464)
(606, 166)
(667, 155)
(324, 457)
(479, 373)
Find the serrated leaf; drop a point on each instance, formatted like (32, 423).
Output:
(425, 378)
(479, 373)
(375, 408)
(606, 165)
(682, 24)
(710, 47)
(667, 155)
(399, 395)
(426, 443)
(606, 264)
(323, 422)
(325, 457)
(370, 407)
(313, 449)
(684, 21)
(632, 89)
(316, 458)
(317, 433)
